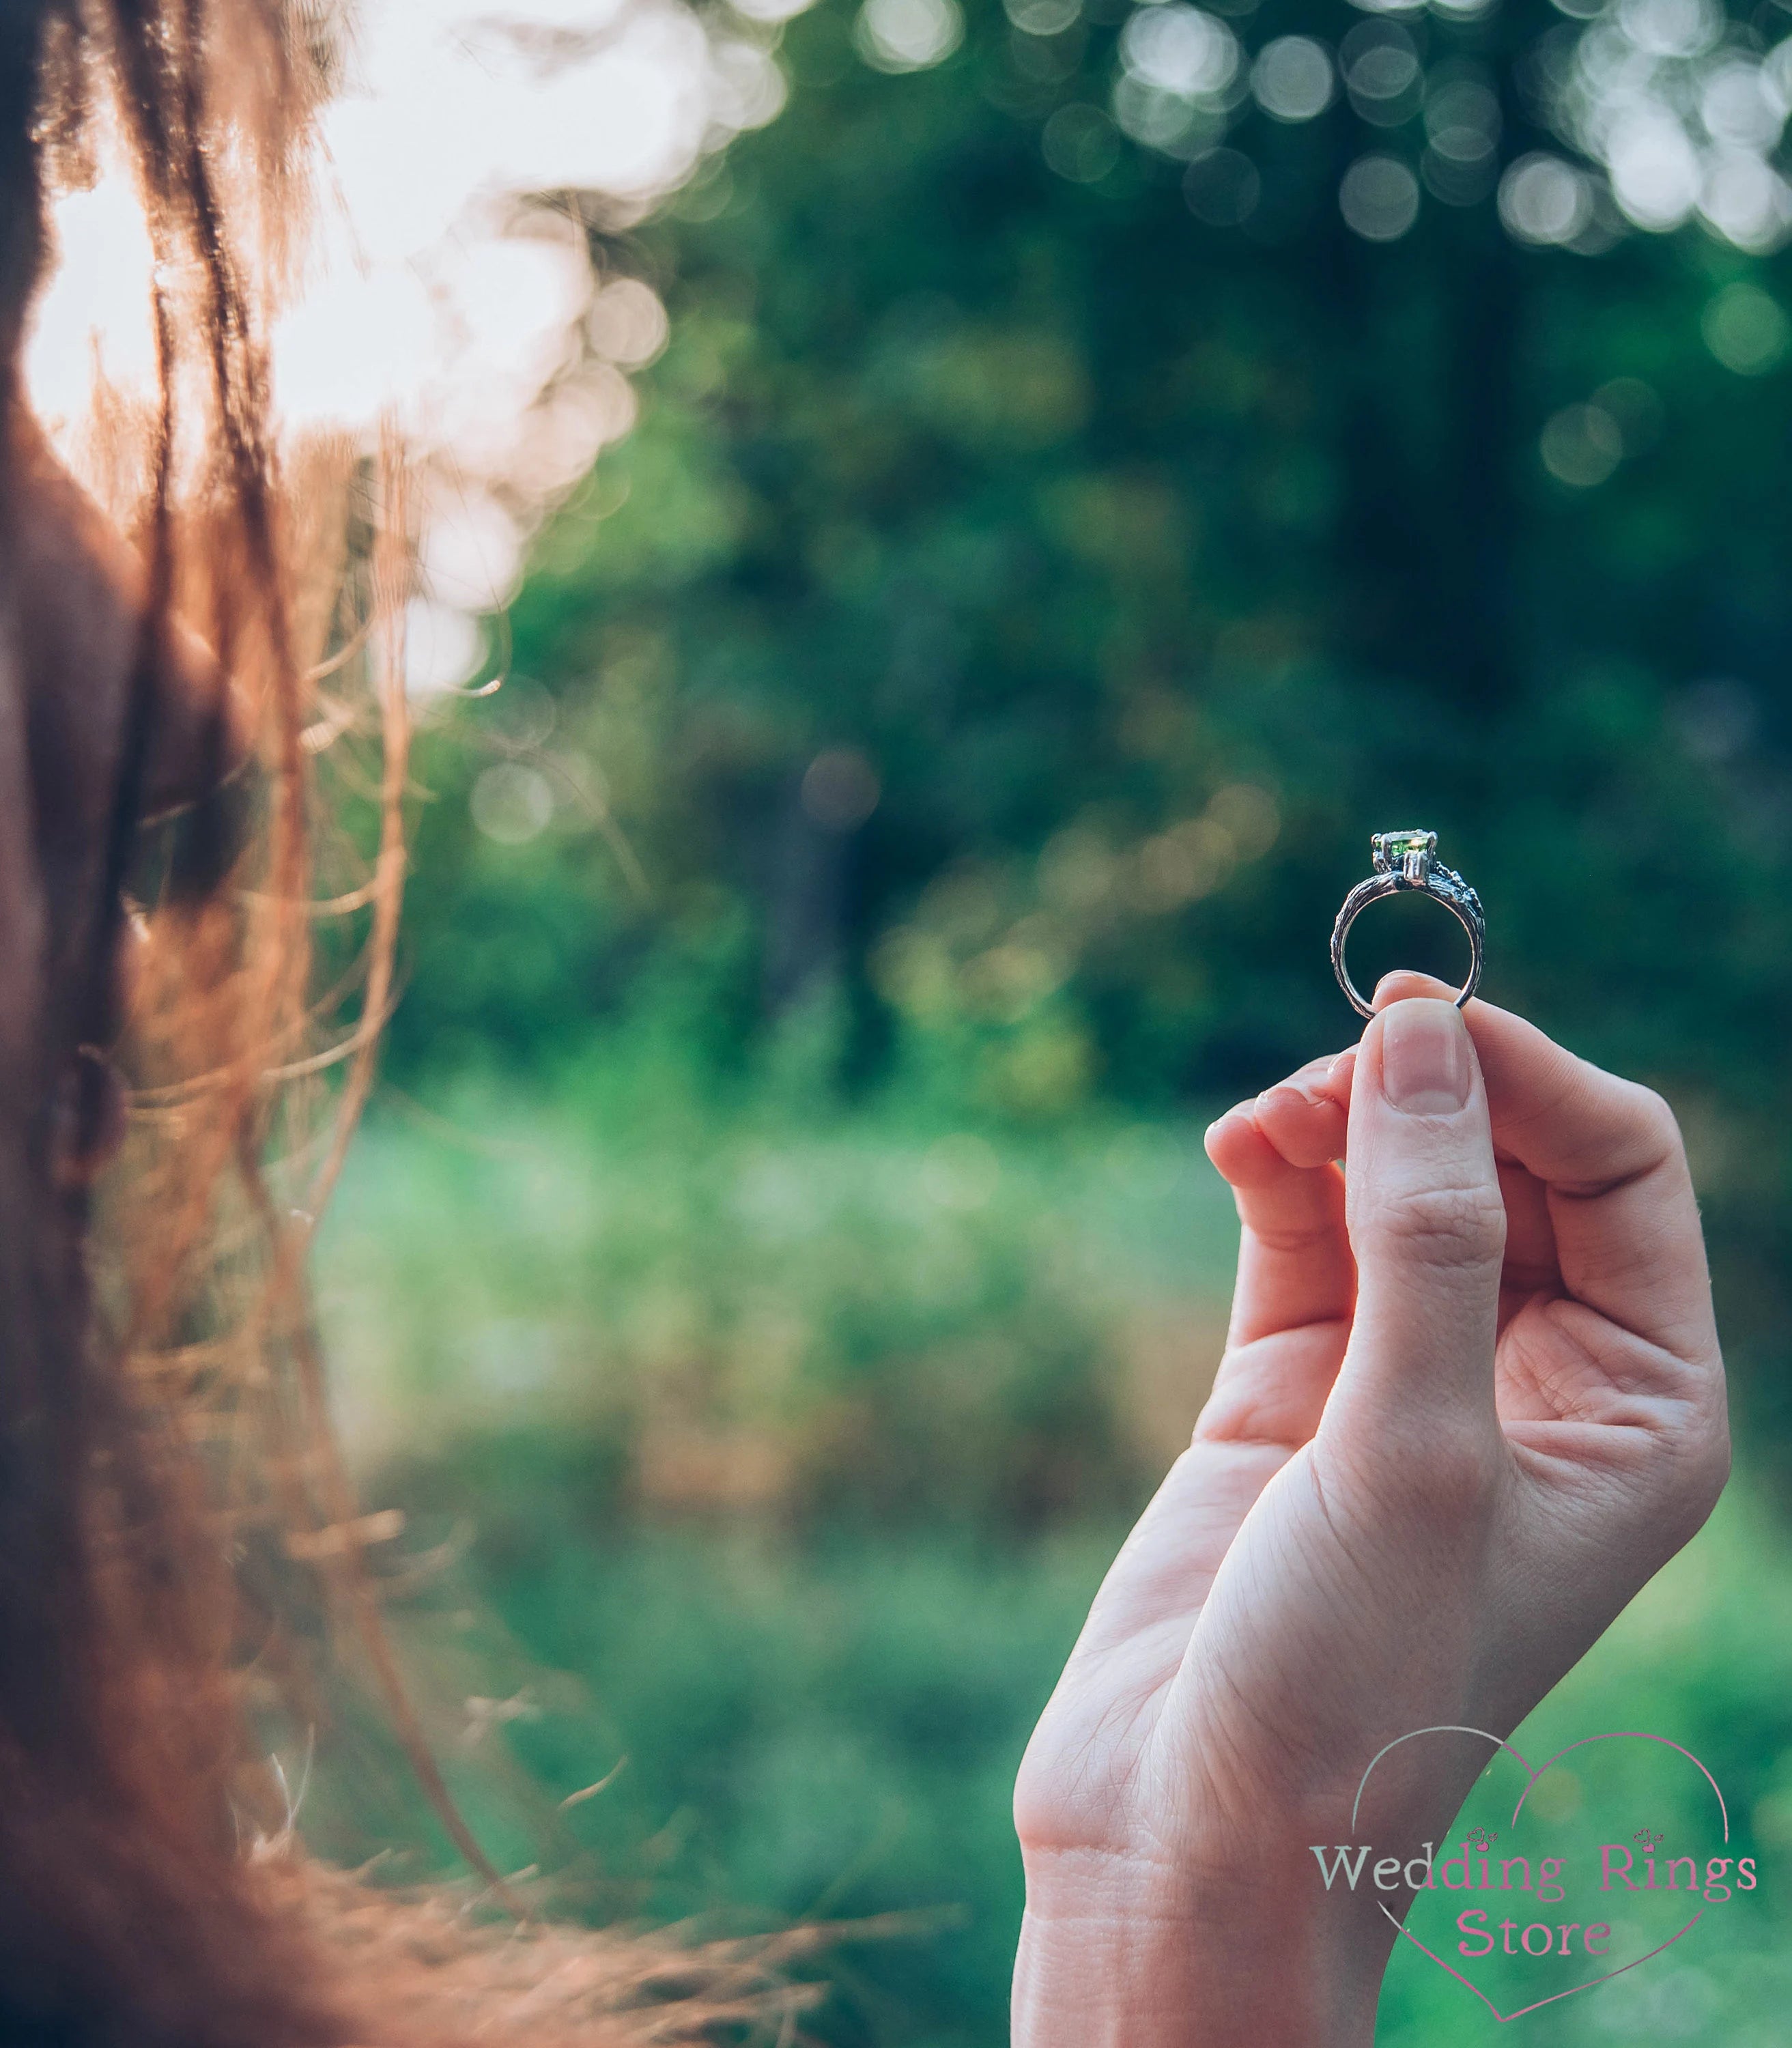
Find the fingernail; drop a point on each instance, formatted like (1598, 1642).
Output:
(1425, 1069)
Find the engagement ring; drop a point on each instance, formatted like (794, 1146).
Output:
(1407, 860)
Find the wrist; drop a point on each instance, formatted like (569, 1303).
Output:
(1113, 1952)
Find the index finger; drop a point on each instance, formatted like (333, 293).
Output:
(1628, 1240)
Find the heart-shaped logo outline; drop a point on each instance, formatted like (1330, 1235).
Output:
(1531, 1777)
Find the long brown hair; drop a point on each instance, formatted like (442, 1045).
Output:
(162, 1413)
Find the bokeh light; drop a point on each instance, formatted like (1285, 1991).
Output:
(1544, 198)
(1079, 143)
(1581, 446)
(511, 803)
(1683, 113)
(1292, 78)
(1180, 50)
(1382, 72)
(1042, 18)
(1461, 116)
(1746, 329)
(908, 35)
(1379, 198)
(840, 789)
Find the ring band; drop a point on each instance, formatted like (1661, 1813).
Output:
(1407, 860)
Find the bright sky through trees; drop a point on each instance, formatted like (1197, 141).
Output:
(430, 297)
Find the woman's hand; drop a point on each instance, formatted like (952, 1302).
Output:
(1472, 1400)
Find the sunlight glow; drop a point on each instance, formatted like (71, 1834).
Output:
(434, 298)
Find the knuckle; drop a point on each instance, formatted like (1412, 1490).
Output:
(1461, 1459)
(1449, 1228)
(1653, 1132)
(1655, 1116)
(1446, 1475)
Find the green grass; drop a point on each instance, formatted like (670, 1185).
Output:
(829, 1728)
(878, 1313)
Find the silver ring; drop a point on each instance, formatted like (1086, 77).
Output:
(1408, 860)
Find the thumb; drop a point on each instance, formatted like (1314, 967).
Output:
(1428, 1227)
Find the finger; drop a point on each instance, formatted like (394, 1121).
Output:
(1296, 1284)
(1531, 1235)
(1427, 1227)
(1302, 1119)
(1628, 1241)
(1294, 1262)
(1405, 982)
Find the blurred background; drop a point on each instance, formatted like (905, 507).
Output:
(978, 511)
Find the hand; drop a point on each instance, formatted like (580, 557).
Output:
(1472, 1400)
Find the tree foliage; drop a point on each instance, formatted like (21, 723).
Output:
(1033, 577)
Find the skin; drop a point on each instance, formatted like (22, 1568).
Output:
(69, 641)
(1472, 1400)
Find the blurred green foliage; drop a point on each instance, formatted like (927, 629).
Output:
(829, 1730)
(1020, 599)
(934, 746)
(735, 1302)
